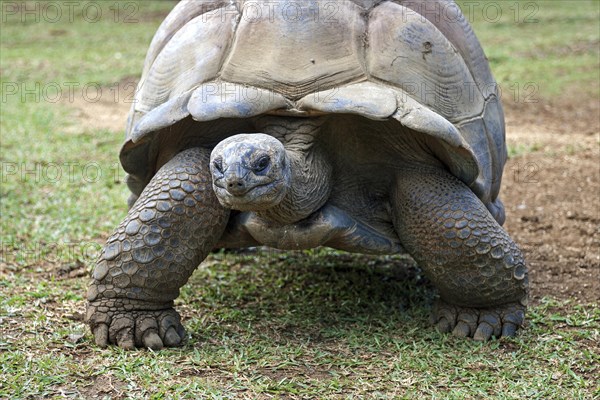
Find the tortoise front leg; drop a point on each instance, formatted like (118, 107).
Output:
(170, 229)
(479, 271)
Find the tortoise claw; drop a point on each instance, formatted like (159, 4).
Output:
(101, 335)
(443, 325)
(461, 329)
(172, 338)
(152, 329)
(152, 341)
(509, 329)
(484, 332)
(480, 324)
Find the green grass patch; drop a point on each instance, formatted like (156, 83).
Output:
(520, 149)
(318, 324)
(539, 49)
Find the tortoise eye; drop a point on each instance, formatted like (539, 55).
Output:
(262, 164)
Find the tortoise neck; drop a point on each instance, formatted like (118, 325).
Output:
(311, 172)
(296, 133)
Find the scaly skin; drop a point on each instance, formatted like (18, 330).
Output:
(170, 229)
(478, 269)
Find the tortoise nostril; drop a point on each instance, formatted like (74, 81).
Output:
(236, 186)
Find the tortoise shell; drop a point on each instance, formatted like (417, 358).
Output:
(214, 64)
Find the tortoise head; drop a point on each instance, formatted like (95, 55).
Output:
(250, 172)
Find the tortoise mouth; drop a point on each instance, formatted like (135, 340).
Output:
(240, 188)
(257, 197)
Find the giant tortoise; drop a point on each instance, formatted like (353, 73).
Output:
(362, 125)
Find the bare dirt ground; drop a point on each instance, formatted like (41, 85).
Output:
(551, 187)
(110, 109)
(551, 192)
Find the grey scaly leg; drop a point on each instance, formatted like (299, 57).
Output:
(170, 229)
(478, 269)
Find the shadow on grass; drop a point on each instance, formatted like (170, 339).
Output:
(312, 296)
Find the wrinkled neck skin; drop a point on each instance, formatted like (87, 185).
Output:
(311, 172)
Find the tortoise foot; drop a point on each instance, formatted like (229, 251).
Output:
(481, 324)
(153, 329)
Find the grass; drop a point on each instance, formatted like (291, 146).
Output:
(283, 324)
(520, 149)
(539, 49)
(314, 324)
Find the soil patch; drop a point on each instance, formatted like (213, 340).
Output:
(551, 193)
(105, 110)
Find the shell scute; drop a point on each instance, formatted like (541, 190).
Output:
(298, 52)
(369, 99)
(181, 14)
(193, 55)
(229, 100)
(407, 50)
(448, 18)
